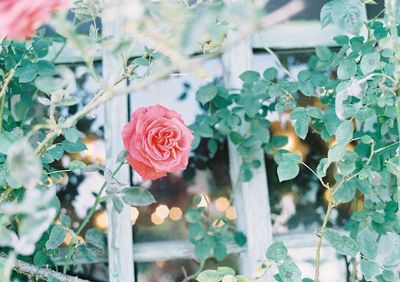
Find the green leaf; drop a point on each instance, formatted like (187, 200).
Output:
(344, 245)
(71, 147)
(23, 164)
(28, 74)
(196, 231)
(235, 137)
(336, 153)
(203, 248)
(212, 146)
(56, 238)
(289, 272)
(136, 196)
(249, 76)
(72, 134)
(76, 164)
(47, 84)
(270, 74)
(344, 193)
(367, 242)
(369, 269)
(326, 16)
(210, 276)
(279, 140)
(369, 62)
(65, 220)
(206, 93)
(301, 127)
(220, 251)
(6, 140)
(122, 156)
(346, 70)
(240, 238)
(348, 15)
(287, 171)
(344, 132)
(96, 238)
(277, 251)
(41, 258)
(342, 39)
(226, 270)
(290, 157)
(246, 175)
(56, 152)
(117, 203)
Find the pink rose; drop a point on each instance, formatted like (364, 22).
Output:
(19, 19)
(158, 142)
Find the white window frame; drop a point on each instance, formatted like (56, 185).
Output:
(251, 199)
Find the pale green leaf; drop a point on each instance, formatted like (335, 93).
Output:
(287, 171)
(56, 238)
(344, 245)
(135, 196)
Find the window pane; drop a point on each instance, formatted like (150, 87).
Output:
(174, 193)
(177, 270)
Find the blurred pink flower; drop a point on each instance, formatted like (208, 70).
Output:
(158, 142)
(19, 19)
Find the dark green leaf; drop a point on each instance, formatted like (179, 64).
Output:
(277, 251)
(220, 251)
(249, 76)
(206, 93)
(73, 147)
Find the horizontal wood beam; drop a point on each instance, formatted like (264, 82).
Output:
(172, 250)
(288, 35)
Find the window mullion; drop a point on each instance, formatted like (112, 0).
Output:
(120, 243)
(251, 198)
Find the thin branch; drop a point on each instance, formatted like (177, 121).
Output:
(319, 178)
(31, 270)
(88, 217)
(195, 274)
(275, 57)
(320, 236)
(7, 81)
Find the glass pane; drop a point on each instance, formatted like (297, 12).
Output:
(311, 9)
(175, 193)
(177, 270)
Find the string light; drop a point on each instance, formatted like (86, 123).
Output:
(134, 215)
(222, 204)
(162, 211)
(230, 213)
(175, 213)
(156, 219)
(100, 220)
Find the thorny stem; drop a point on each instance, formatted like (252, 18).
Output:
(87, 218)
(320, 236)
